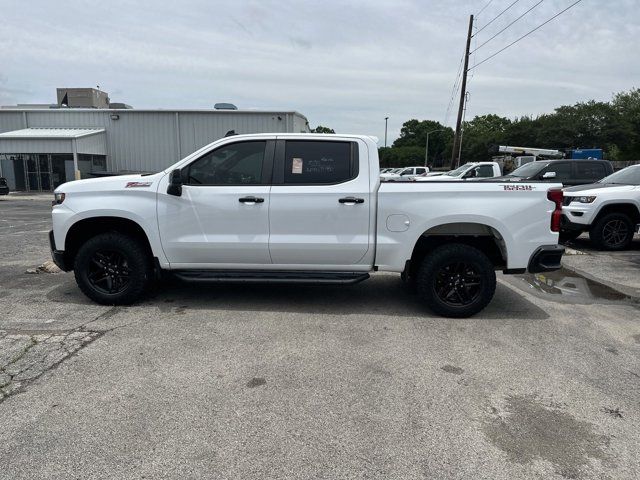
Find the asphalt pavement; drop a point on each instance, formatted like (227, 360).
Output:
(310, 382)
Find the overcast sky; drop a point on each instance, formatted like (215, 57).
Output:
(346, 65)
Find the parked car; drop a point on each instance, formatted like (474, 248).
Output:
(4, 188)
(609, 210)
(568, 172)
(403, 174)
(468, 170)
(301, 208)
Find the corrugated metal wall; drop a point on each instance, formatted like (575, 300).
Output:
(36, 145)
(92, 144)
(150, 140)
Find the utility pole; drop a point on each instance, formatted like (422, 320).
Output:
(463, 92)
(386, 119)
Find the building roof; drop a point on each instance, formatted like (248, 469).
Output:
(33, 133)
(54, 140)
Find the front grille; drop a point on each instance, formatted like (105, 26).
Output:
(566, 201)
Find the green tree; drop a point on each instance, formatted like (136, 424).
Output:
(613, 126)
(321, 129)
(414, 134)
(627, 107)
(480, 134)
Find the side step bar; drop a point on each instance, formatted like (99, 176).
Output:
(264, 276)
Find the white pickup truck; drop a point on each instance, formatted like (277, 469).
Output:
(301, 208)
(468, 170)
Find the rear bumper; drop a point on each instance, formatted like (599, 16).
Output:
(568, 225)
(57, 255)
(546, 258)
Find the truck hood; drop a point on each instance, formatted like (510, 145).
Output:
(116, 182)
(595, 188)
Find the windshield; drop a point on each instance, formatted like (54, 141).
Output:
(528, 169)
(626, 176)
(459, 170)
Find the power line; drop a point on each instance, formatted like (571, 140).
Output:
(505, 28)
(456, 84)
(525, 35)
(497, 16)
(482, 9)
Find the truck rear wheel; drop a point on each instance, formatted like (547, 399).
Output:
(456, 280)
(112, 269)
(613, 231)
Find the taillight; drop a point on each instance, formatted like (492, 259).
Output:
(555, 195)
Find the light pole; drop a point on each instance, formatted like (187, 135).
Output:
(386, 119)
(426, 151)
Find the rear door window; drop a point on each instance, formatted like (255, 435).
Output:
(320, 162)
(484, 171)
(562, 169)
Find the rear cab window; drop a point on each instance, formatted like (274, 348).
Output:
(590, 170)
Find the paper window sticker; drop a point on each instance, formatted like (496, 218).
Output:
(296, 165)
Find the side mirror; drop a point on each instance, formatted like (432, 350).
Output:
(175, 183)
(549, 175)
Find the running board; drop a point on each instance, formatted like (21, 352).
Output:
(265, 276)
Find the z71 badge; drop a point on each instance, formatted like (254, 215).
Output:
(518, 187)
(137, 184)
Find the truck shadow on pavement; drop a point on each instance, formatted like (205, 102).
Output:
(380, 295)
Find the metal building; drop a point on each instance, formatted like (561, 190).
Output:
(42, 148)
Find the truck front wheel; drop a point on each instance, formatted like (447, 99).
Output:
(112, 269)
(456, 280)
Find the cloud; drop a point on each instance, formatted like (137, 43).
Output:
(345, 65)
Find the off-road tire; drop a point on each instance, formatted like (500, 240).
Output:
(137, 261)
(439, 264)
(600, 233)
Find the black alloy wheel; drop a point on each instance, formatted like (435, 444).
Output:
(615, 233)
(108, 272)
(458, 284)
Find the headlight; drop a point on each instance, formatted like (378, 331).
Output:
(58, 198)
(585, 199)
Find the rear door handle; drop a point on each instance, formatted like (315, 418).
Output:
(351, 200)
(251, 200)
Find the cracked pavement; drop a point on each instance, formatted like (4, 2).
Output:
(24, 357)
(227, 382)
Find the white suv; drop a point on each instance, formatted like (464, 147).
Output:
(609, 210)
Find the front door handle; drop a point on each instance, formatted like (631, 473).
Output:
(251, 200)
(351, 200)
